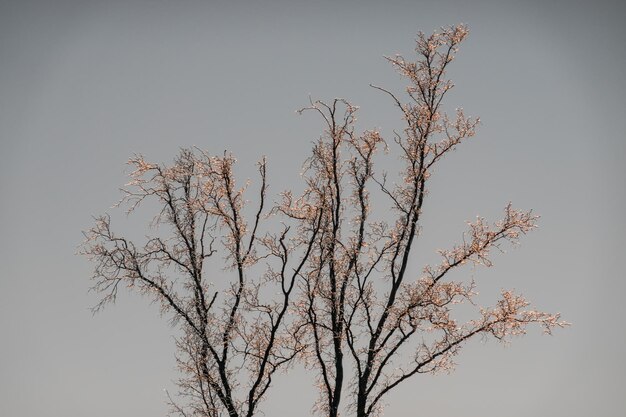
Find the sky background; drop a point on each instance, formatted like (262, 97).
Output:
(84, 85)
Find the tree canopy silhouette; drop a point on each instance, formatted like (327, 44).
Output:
(318, 277)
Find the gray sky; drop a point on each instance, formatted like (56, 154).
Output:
(84, 85)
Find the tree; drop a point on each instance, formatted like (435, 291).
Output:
(234, 339)
(330, 286)
(357, 301)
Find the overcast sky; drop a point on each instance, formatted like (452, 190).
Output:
(84, 85)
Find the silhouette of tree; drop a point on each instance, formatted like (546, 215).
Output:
(318, 277)
(363, 314)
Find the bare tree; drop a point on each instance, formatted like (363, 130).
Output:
(361, 319)
(370, 326)
(234, 337)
